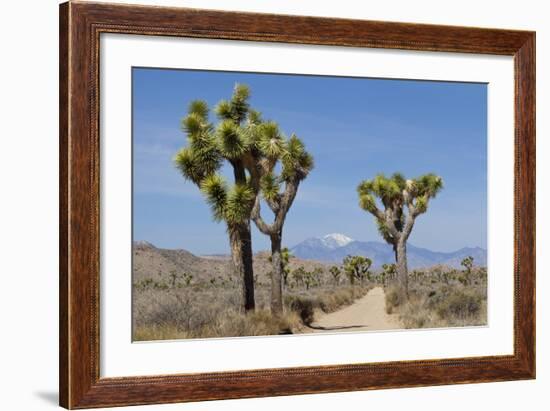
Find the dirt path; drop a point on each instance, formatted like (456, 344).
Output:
(366, 314)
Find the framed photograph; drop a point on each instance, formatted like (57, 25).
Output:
(259, 205)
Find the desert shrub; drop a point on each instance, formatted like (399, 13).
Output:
(460, 304)
(333, 300)
(303, 306)
(326, 301)
(394, 298)
(447, 302)
(415, 315)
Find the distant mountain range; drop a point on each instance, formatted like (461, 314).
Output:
(334, 247)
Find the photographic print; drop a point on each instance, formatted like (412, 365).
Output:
(278, 204)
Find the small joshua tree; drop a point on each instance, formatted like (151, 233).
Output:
(388, 272)
(187, 278)
(309, 279)
(357, 268)
(317, 274)
(335, 272)
(286, 255)
(296, 163)
(468, 264)
(299, 275)
(173, 278)
(402, 201)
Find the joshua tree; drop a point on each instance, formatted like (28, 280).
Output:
(468, 263)
(317, 275)
(335, 272)
(357, 267)
(187, 278)
(388, 272)
(300, 276)
(286, 255)
(296, 163)
(403, 201)
(173, 278)
(309, 280)
(200, 162)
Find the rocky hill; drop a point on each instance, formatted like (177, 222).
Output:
(158, 263)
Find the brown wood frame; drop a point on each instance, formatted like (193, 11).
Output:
(80, 27)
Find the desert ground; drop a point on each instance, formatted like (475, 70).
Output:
(368, 313)
(178, 295)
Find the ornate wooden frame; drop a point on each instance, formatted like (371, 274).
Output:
(80, 27)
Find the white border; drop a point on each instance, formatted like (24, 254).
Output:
(119, 357)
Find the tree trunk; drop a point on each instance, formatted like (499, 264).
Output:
(277, 275)
(402, 271)
(241, 256)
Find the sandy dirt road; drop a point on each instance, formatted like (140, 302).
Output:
(366, 314)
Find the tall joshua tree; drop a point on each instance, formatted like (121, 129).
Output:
(296, 163)
(403, 201)
(208, 148)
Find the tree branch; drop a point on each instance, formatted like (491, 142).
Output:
(389, 220)
(265, 228)
(280, 209)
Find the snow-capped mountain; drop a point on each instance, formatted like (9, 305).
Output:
(334, 247)
(336, 240)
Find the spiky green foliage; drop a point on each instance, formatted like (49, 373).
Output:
(237, 108)
(201, 158)
(231, 142)
(254, 117)
(192, 125)
(386, 189)
(395, 193)
(200, 108)
(223, 110)
(239, 204)
(367, 201)
(186, 161)
(428, 185)
(209, 145)
(270, 186)
(271, 141)
(297, 162)
(196, 165)
(214, 188)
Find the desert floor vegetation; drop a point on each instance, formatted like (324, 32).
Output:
(181, 309)
(441, 297)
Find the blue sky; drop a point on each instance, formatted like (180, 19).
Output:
(354, 127)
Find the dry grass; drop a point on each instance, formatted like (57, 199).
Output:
(212, 311)
(441, 300)
(327, 301)
(232, 324)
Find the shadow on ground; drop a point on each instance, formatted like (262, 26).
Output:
(345, 327)
(51, 397)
